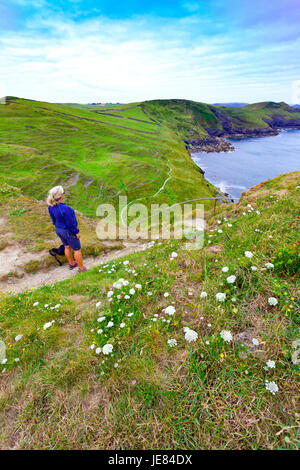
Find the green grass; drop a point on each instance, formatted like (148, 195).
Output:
(203, 395)
(44, 144)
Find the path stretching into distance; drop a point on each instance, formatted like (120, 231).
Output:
(57, 273)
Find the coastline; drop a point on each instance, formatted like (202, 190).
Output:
(220, 144)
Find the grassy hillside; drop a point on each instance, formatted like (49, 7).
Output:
(95, 156)
(147, 394)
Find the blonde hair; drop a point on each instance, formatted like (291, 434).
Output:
(54, 195)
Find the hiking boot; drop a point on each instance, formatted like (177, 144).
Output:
(82, 270)
(72, 266)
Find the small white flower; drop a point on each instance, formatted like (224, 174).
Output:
(226, 335)
(98, 304)
(220, 231)
(255, 342)
(248, 254)
(203, 295)
(4, 361)
(170, 310)
(225, 269)
(190, 335)
(207, 342)
(229, 225)
(174, 254)
(110, 324)
(98, 350)
(231, 279)
(253, 268)
(18, 337)
(172, 342)
(130, 314)
(132, 291)
(125, 262)
(110, 293)
(269, 265)
(221, 296)
(107, 348)
(122, 325)
(100, 319)
(272, 387)
(126, 296)
(270, 364)
(35, 304)
(149, 293)
(92, 346)
(116, 365)
(99, 331)
(17, 359)
(166, 294)
(272, 301)
(138, 286)
(47, 325)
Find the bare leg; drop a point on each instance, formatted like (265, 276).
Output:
(78, 257)
(69, 256)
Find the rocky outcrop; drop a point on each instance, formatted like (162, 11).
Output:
(209, 144)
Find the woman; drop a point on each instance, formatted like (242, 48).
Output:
(66, 227)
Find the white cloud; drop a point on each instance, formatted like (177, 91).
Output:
(129, 60)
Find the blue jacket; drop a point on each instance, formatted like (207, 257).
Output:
(64, 217)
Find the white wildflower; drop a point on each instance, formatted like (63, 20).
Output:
(18, 337)
(47, 325)
(174, 254)
(253, 268)
(170, 310)
(255, 342)
(100, 319)
(203, 295)
(92, 346)
(132, 291)
(221, 296)
(98, 350)
(98, 304)
(248, 254)
(226, 335)
(231, 279)
(269, 265)
(270, 364)
(272, 301)
(272, 387)
(190, 335)
(166, 294)
(130, 314)
(225, 269)
(107, 348)
(110, 293)
(122, 325)
(35, 304)
(172, 342)
(4, 361)
(110, 324)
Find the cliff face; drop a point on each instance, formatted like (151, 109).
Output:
(231, 127)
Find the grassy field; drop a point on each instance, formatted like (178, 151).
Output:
(96, 157)
(59, 391)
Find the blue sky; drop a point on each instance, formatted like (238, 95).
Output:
(211, 51)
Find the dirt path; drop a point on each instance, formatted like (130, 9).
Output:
(59, 273)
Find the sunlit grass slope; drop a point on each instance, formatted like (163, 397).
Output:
(59, 390)
(96, 157)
